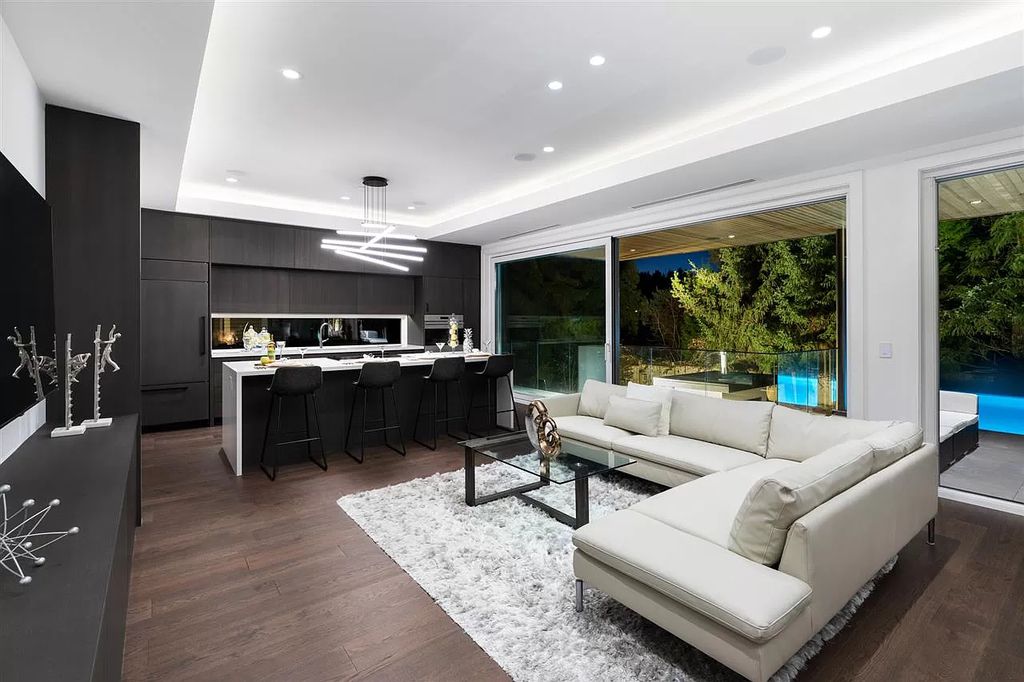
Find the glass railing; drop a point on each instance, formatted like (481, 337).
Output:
(807, 379)
(549, 367)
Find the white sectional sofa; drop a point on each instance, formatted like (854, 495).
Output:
(774, 519)
(958, 426)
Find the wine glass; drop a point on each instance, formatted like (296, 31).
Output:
(439, 345)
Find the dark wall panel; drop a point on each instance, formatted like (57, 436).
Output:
(92, 184)
(249, 290)
(245, 243)
(175, 236)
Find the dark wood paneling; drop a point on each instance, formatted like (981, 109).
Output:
(77, 601)
(175, 332)
(249, 290)
(442, 295)
(175, 403)
(323, 292)
(309, 255)
(175, 236)
(446, 259)
(383, 294)
(244, 243)
(471, 306)
(184, 271)
(92, 185)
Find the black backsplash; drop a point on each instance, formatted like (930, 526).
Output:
(302, 331)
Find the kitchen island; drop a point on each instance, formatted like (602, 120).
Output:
(246, 404)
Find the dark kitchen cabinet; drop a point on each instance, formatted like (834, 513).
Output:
(471, 305)
(309, 255)
(249, 290)
(385, 295)
(175, 403)
(237, 242)
(175, 332)
(442, 295)
(323, 292)
(175, 236)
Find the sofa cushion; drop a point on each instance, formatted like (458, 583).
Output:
(590, 430)
(754, 601)
(594, 397)
(894, 443)
(638, 416)
(740, 424)
(775, 502)
(707, 506)
(798, 435)
(654, 394)
(694, 456)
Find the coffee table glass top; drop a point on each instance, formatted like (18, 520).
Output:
(575, 461)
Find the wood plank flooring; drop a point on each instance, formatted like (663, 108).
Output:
(245, 579)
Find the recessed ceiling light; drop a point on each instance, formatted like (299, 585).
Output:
(291, 74)
(732, 236)
(411, 208)
(975, 202)
(548, 150)
(821, 32)
(632, 250)
(231, 179)
(555, 85)
(346, 198)
(597, 60)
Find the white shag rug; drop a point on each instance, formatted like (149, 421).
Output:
(503, 572)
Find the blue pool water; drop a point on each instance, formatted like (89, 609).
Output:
(1003, 413)
(801, 390)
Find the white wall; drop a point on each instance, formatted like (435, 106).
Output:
(22, 114)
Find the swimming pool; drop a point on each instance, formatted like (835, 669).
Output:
(802, 390)
(1003, 413)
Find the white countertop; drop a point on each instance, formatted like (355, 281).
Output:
(314, 350)
(243, 368)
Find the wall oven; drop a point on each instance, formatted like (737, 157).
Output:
(435, 330)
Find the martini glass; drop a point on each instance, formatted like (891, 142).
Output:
(439, 346)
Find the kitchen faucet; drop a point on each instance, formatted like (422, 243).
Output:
(319, 333)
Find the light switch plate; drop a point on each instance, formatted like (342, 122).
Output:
(885, 350)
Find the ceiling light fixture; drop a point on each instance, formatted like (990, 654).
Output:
(975, 202)
(821, 32)
(555, 85)
(548, 150)
(597, 60)
(375, 217)
(291, 74)
(732, 236)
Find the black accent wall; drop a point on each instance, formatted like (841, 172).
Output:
(92, 185)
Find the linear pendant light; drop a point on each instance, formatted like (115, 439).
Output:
(376, 248)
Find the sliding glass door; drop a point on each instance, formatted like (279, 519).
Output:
(552, 314)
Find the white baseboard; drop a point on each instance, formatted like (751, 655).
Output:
(1006, 506)
(18, 430)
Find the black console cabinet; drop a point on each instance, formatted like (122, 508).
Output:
(69, 623)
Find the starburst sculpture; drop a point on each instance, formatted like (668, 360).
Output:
(18, 536)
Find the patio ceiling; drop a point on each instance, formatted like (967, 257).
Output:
(982, 195)
(793, 222)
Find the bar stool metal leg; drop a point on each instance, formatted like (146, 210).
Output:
(319, 434)
(398, 421)
(351, 416)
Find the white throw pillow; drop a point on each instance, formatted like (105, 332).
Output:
(638, 416)
(594, 397)
(894, 443)
(654, 394)
(775, 502)
(799, 435)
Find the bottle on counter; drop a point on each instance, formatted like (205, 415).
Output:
(249, 338)
(265, 337)
(272, 350)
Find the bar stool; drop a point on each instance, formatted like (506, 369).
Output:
(496, 367)
(381, 376)
(444, 371)
(294, 382)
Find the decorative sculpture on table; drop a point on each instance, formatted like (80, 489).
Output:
(73, 364)
(18, 535)
(101, 351)
(44, 363)
(467, 340)
(542, 430)
(30, 361)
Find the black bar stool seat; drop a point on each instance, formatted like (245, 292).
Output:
(376, 376)
(294, 382)
(443, 373)
(497, 367)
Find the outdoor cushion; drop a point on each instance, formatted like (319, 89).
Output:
(957, 421)
(590, 430)
(945, 432)
(798, 435)
(594, 397)
(740, 424)
(654, 394)
(706, 507)
(694, 456)
(777, 501)
(954, 401)
(638, 416)
(754, 601)
(894, 443)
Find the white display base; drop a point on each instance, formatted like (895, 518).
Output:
(62, 431)
(96, 423)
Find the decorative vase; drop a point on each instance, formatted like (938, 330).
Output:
(542, 431)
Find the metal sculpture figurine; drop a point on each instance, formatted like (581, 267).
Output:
(542, 430)
(27, 359)
(73, 364)
(18, 536)
(101, 351)
(44, 363)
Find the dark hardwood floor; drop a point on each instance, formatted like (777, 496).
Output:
(245, 579)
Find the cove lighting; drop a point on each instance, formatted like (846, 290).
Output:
(356, 245)
(391, 235)
(555, 85)
(821, 32)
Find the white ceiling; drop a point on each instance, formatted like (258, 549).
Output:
(136, 61)
(440, 96)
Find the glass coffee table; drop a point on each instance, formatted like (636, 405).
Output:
(576, 464)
